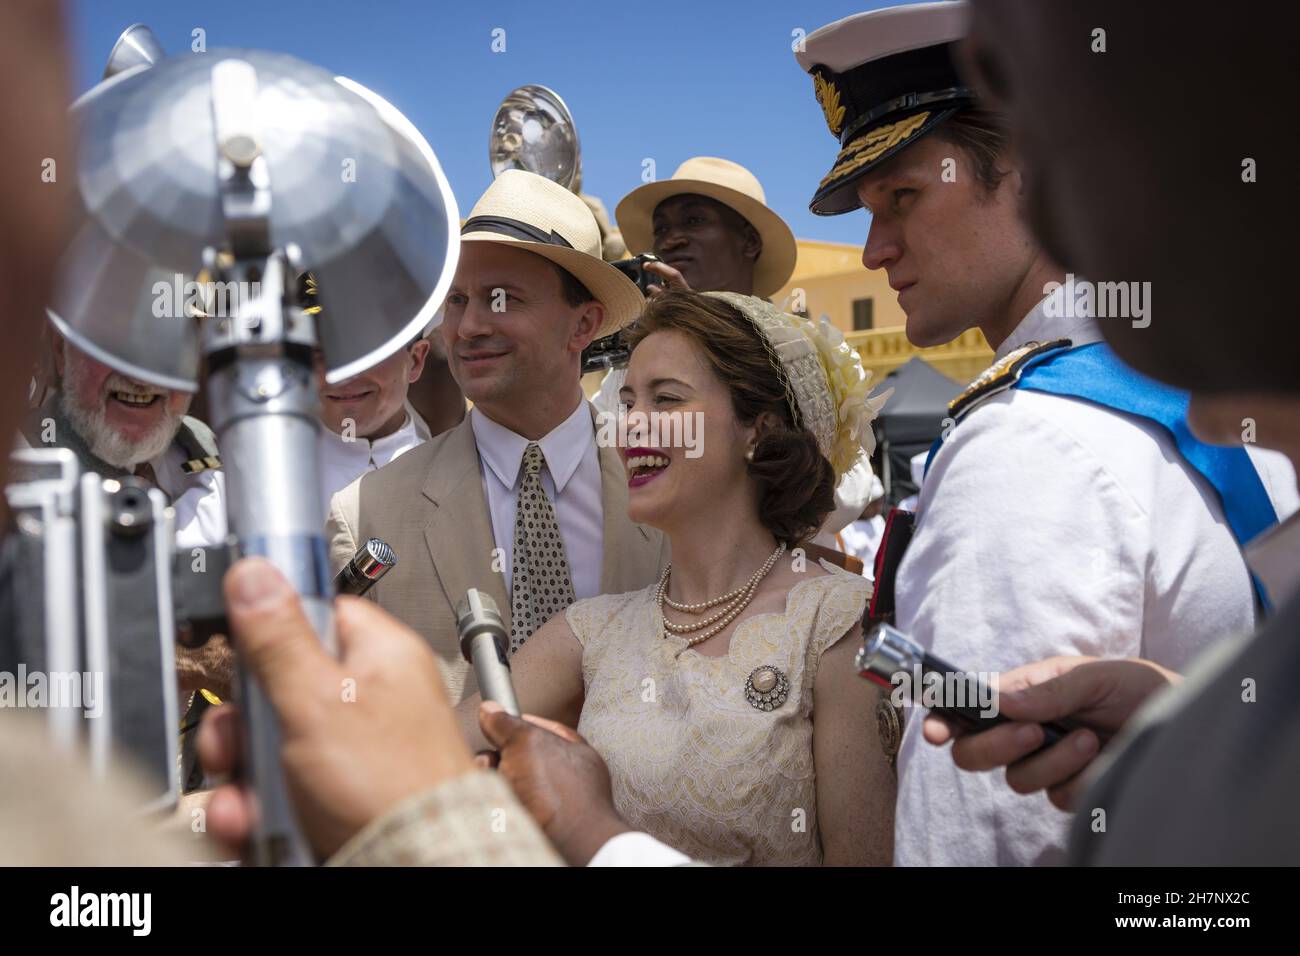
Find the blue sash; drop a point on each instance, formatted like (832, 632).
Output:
(1094, 373)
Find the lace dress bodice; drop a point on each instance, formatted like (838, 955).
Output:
(693, 762)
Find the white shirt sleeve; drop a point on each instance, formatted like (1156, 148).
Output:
(637, 849)
(1049, 526)
(201, 512)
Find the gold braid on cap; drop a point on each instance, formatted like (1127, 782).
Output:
(873, 145)
(824, 382)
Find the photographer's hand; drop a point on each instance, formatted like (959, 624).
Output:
(348, 757)
(1098, 695)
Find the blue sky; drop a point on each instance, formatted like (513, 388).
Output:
(663, 80)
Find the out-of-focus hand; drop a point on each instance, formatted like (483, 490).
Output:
(558, 777)
(1097, 696)
(359, 734)
(672, 279)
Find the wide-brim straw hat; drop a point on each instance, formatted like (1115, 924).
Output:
(529, 211)
(730, 184)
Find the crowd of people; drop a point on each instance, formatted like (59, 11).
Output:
(1091, 526)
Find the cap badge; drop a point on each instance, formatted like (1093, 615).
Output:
(829, 98)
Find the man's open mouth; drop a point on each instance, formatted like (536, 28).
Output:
(134, 399)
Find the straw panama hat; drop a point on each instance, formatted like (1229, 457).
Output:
(529, 211)
(730, 184)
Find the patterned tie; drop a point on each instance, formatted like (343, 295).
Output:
(542, 585)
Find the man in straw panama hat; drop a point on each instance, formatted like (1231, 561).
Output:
(517, 500)
(1066, 510)
(711, 226)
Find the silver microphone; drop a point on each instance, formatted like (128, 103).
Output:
(372, 561)
(484, 643)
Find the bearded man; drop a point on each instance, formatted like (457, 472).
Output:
(119, 426)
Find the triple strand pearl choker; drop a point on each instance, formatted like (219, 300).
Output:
(735, 602)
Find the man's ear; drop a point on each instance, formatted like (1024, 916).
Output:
(753, 247)
(419, 352)
(591, 316)
(1015, 180)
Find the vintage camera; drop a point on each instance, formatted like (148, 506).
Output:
(612, 351)
(88, 631)
(634, 269)
(94, 598)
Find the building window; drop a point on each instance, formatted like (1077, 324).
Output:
(862, 314)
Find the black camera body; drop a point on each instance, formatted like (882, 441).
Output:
(612, 351)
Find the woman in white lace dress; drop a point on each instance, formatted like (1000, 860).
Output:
(724, 699)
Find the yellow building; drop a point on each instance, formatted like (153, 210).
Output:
(829, 279)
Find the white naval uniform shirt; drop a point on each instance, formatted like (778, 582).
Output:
(198, 501)
(343, 462)
(571, 479)
(1051, 526)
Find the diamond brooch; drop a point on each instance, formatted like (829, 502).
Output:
(766, 688)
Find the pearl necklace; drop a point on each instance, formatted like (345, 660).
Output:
(737, 601)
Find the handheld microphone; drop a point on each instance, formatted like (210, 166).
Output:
(889, 658)
(484, 642)
(372, 561)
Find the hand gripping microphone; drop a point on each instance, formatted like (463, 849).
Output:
(484, 642)
(891, 659)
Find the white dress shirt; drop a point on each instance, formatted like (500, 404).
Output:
(343, 462)
(1050, 525)
(571, 479)
(198, 501)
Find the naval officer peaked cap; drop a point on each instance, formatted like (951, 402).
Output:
(884, 79)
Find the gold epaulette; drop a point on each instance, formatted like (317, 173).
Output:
(1000, 376)
(195, 465)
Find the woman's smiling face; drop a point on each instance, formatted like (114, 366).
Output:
(672, 394)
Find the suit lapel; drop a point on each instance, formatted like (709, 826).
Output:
(459, 532)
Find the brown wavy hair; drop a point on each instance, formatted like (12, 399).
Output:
(796, 484)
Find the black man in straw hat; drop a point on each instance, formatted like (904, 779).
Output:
(711, 227)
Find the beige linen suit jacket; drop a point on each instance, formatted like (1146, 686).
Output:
(430, 507)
